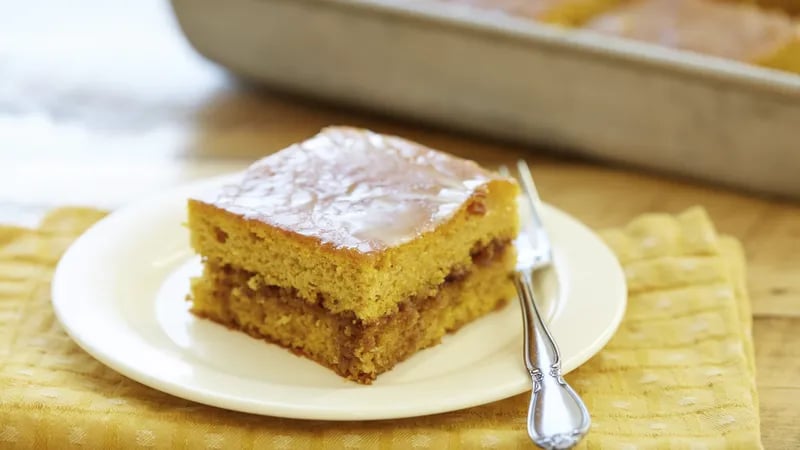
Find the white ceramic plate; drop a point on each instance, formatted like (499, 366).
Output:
(119, 293)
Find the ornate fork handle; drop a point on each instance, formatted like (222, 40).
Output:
(557, 418)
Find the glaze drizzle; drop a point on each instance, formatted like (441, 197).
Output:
(356, 189)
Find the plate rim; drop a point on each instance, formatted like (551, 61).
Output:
(211, 398)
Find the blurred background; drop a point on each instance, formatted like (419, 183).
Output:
(98, 101)
(102, 102)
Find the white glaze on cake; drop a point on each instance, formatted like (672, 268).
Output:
(356, 189)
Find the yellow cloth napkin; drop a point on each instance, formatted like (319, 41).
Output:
(678, 374)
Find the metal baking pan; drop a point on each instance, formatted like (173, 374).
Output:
(723, 121)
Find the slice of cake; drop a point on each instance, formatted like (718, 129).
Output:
(734, 31)
(355, 249)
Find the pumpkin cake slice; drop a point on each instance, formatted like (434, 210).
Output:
(355, 249)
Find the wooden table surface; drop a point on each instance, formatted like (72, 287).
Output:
(102, 102)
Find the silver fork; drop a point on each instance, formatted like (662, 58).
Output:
(557, 417)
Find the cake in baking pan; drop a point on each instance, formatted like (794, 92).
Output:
(734, 31)
(758, 32)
